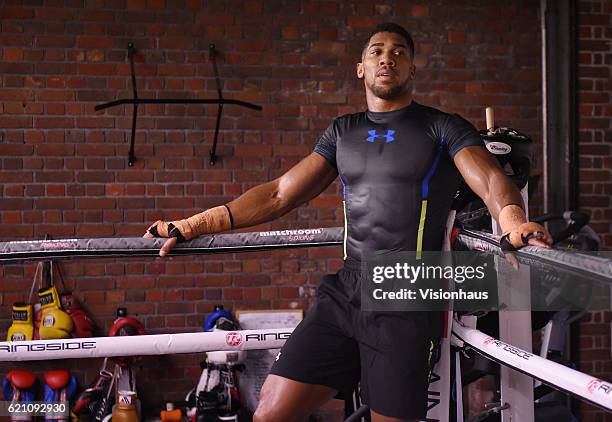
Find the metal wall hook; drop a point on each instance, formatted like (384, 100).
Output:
(213, 57)
(135, 101)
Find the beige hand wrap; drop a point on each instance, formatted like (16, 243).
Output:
(518, 237)
(213, 220)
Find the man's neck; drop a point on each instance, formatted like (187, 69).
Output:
(379, 105)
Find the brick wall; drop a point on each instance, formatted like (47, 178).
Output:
(595, 173)
(595, 136)
(64, 166)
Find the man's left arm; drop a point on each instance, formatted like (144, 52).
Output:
(485, 177)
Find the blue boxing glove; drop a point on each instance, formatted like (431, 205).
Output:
(59, 386)
(220, 319)
(19, 386)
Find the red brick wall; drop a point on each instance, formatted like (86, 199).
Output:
(594, 121)
(64, 166)
(595, 173)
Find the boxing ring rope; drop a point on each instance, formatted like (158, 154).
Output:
(582, 264)
(590, 389)
(595, 267)
(587, 387)
(139, 246)
(144, 345)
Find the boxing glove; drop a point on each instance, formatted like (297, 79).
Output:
(22, 328)
(19, 386)
(125, 326)
(84, 325)
(36, 308)
(220, 319)
(59, 386)
(88, 400)
(55, 323)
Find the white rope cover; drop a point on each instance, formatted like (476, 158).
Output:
(591, 389)
(156, 344)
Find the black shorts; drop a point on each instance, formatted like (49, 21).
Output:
(338, 345)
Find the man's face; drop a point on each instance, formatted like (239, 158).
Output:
(386, 66)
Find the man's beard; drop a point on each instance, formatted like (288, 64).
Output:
(387, 92)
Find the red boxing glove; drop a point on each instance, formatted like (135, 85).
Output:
(59, 386)
(126, 326)
(19, 386)
(84, 325)
(37, 319)
(89, 400)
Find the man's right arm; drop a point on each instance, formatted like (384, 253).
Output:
(268, 201)
(260, 204)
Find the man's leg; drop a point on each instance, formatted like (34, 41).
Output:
(285, 400)
(395, 368)
(319, 359)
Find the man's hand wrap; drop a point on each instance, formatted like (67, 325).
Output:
(213, 220)
(518, 238)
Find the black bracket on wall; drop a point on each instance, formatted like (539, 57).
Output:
(135, 101)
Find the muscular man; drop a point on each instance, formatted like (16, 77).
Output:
(399, 163)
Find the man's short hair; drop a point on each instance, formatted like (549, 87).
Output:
(395, 28)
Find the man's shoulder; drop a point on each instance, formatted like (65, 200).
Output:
(347, 122)
(441, 118)
(429, 111)
(350, 117)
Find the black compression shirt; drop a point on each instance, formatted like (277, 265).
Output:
(398, 175)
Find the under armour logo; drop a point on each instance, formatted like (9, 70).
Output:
(388, 136)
